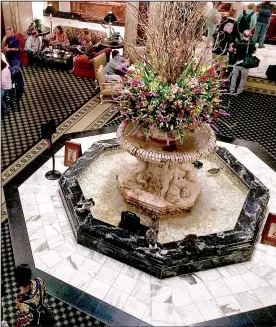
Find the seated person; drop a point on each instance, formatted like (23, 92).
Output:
(117, 64)
(82, 36)
(12, 48)
(59, 37)
(32, 45)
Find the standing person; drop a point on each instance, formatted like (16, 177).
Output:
(247, 19)
(212, 21)
(32, 45)
(31, 301)
(223, 42)
(241, 52)
(6, 84)
(263, 21)
(59, 37)
(12, 48)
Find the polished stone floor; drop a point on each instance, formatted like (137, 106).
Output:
(177, 301)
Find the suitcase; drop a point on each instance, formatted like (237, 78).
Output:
(271, 73)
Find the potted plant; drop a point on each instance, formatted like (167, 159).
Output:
(173, 90)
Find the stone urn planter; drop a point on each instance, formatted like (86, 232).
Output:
(163, 182)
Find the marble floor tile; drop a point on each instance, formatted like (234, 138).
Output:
(161, 293)
(36, 232)
(142, 291)
(90, 267)
(190, 279)
(124, 283)
(66, 249)
(131, 272)
(49, 218)
(145, 278)
(252, 263)
(207, 275)
(99, 257)
(229, 305)
(135, 307)
(80, 280)
(64, 273)
(55, 241)
(209, 309)
(84, 252)
(266, 295)
(107, 275)
(271, 261)
(147, 316)
(30, 213)
(236, 284)
(114, 264)
(175, 282)
(74, 261)
(28, 200)
(218, 288)
(271, 250)
(52, 230)
(162, 314)
(51, 258)
(189, 314)
(254, 281)
(248, 301)
(65, 227)
(39, 245)
(56, 200)
(39, 264)
(157, 281)
(46, 208)
(98, 289)
(199, 292)
(228, 271)
(177, 321)
(180, 296)
(116, 298)
(42, 199)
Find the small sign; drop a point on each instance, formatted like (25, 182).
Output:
(269, 232)
(72, 153)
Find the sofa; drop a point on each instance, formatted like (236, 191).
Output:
(84, 67)
(73, 32)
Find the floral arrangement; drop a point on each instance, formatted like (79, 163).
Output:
(150, 102)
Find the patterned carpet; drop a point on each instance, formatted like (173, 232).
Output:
(49, 94)
(253, 118)
(65, 315)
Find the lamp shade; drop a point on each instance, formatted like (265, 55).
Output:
(110, 17)
(50, 10)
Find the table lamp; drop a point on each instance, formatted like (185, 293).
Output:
(51, 11)
(110, 18)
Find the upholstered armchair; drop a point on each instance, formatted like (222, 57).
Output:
(108, 89)
(84, 67)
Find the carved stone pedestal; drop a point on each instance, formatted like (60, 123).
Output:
(163, 182)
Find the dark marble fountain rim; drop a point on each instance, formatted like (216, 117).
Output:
(67, 293)
(227, 238)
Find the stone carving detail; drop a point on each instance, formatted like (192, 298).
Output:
(165, 184)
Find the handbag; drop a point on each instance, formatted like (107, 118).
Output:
(250, 61)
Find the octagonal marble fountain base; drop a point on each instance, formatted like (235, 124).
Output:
(226, 222)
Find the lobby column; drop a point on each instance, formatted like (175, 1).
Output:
(131, 22)
(18, 15)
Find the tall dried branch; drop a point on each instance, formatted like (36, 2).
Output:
(172, 32)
